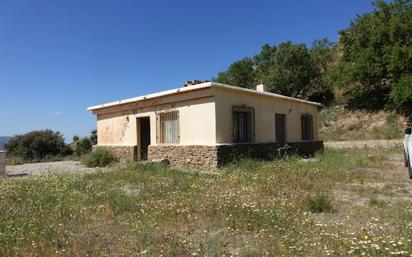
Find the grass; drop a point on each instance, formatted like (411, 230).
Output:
(250, 208)
(339, 124)
(319, 202)
(11, 160)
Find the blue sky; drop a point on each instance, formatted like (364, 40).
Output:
(59, 57)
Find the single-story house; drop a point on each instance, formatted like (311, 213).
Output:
(207, 124)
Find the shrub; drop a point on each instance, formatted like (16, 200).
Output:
(83, 146)
(99, 158)
(37, 145)
(320, 202)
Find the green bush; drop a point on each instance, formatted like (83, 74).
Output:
(320, 202)
(83, 146)
(99, 158)
(37, 146)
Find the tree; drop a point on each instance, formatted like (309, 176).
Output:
(37, 145)
(377, 56)
(93, 137)
(240, 73)
(324, 53)
(292, 71)
(75, 139)
(401, 94)
(264, 61)
(287, 69)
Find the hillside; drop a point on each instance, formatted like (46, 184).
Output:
(3, 141)
(338, 124)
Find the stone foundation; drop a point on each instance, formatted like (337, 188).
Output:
(192, 156)
(212, 157)
(121, 152)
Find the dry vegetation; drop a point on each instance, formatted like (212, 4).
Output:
(354, 202)
(338, 124)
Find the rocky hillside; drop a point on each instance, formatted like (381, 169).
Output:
(337, 124)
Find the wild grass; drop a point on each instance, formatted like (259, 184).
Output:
(250, 208)
(339, 124)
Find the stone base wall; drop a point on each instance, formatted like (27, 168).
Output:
(307, 148)
(213, 157)
(121, 152)
(192, 156)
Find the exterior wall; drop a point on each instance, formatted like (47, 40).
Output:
(119, 125)
(202, 157)
(205, 127)
(215, 156)
(121, 152)
(265, 109)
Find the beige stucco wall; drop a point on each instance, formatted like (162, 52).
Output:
(265, 109)
(119, 125)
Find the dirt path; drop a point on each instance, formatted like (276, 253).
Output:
(48, 167)
(357, 202)
(364, 144)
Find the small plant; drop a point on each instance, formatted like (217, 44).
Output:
(99, 158)
(320, 202)
(375, 201)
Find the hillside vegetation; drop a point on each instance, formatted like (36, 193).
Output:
(337, 204)
(338, 124)
(370, 65)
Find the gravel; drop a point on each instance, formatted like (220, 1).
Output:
(364, 144)
(72, 167)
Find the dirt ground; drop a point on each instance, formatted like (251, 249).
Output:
(49, 167)
(388, 186)
(364, 144)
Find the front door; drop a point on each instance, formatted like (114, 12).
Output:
(280, 128)
(144, 137)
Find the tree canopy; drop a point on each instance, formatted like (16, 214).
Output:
(371, 64)
(37, 145)
(288, 69)
(376, 59)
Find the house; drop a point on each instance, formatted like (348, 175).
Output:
(207, 124)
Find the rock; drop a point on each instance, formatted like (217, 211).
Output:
(161, 161)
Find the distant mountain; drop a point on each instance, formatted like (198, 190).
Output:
(3, 141)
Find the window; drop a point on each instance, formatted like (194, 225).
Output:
(169, 127)
(280, 128)
(243, 124)
(307, 126)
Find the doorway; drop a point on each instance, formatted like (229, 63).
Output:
(280, 128)
(144, 137)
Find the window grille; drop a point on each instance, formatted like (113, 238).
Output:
(169, 127)
(243, 124)
(307, 126)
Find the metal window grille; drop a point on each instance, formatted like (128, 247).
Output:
(307, 126)
(243, 124)
(169, 127)
(280, 128)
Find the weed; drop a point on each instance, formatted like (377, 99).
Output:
(319, 202)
